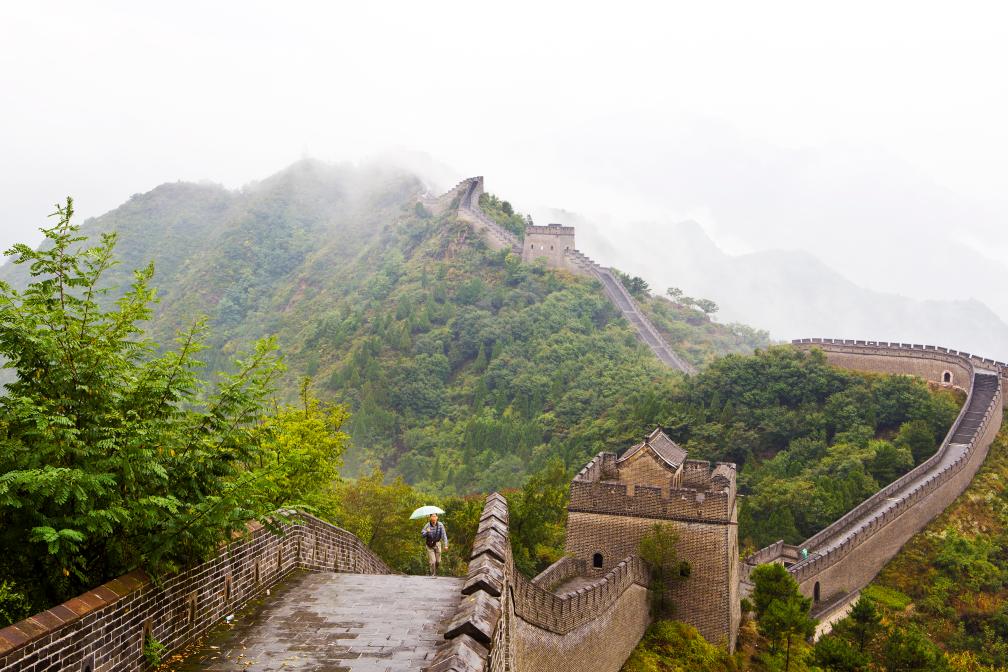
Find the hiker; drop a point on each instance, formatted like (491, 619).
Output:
(436, 537)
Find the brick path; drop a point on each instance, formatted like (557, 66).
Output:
(335, 623)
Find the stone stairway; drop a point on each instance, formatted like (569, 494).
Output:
(646, 331)
(335, 621)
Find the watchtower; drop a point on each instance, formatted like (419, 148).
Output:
(616, 500)
(550, 242)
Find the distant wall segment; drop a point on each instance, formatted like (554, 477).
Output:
(555, 244)
(104, 629)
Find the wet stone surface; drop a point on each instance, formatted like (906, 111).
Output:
(334, 623)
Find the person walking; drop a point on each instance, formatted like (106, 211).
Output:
(436, 538)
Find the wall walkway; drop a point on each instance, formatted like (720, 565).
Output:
(104, 629)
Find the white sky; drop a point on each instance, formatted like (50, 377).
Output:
(832, 127)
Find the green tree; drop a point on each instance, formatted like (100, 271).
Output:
(300, 452)
(863, 622)
(113, 455)
(782, 611)
(707, 306)
(908, 650)
(918, 437)
(771, 582)
(658, 549)
(787, 619)
(538, 513)
(836, 654)
(890, 462)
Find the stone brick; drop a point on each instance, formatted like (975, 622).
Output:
(477, 616)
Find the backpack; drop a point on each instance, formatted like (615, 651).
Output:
(433, 535)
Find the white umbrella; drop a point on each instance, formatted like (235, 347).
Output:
(425, 511)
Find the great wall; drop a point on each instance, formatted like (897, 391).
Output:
(585, 612)
(465, 197)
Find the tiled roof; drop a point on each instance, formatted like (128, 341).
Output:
(668, 450)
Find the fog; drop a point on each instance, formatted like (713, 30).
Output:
(869, 137)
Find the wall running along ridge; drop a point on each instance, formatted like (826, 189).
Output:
(507, 622)
(466, 195)
(104, 629)
(846, 556)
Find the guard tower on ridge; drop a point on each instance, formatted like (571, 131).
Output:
(551, 242)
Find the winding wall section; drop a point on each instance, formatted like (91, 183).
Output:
(846, 555)
(466, 195)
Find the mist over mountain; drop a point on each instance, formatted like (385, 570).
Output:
(792, 293)
(464, 367)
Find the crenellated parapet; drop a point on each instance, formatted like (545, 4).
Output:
(507, 622)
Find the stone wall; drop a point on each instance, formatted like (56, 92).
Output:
(508, 623)
(498, 238)
(707, 599)
(103, 630)
(846, 555)
(685, 504)
(601, 644)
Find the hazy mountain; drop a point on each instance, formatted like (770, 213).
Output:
(792, 293)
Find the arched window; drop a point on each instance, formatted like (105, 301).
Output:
(597, 561)
(947, 377)
(815, 592)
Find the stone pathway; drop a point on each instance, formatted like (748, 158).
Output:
(335, 623)
(576, 583)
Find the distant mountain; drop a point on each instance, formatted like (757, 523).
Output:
(791, 293)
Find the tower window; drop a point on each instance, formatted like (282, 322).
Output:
(947, 377)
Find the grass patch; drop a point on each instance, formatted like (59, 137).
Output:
(890, 598)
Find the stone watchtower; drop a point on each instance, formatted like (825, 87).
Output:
(617, 500)
(550, 242)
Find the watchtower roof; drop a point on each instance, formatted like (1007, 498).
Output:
(665, 448)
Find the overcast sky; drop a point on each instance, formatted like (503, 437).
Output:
(872, 134)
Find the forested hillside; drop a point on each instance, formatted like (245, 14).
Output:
(464, 368)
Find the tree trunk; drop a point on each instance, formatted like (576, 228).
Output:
(787, 657)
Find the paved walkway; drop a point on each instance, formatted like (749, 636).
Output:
(335, 623)
(576, 583)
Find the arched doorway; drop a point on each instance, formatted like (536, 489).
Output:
(815, 592)
(597, 561)
(947, 377)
